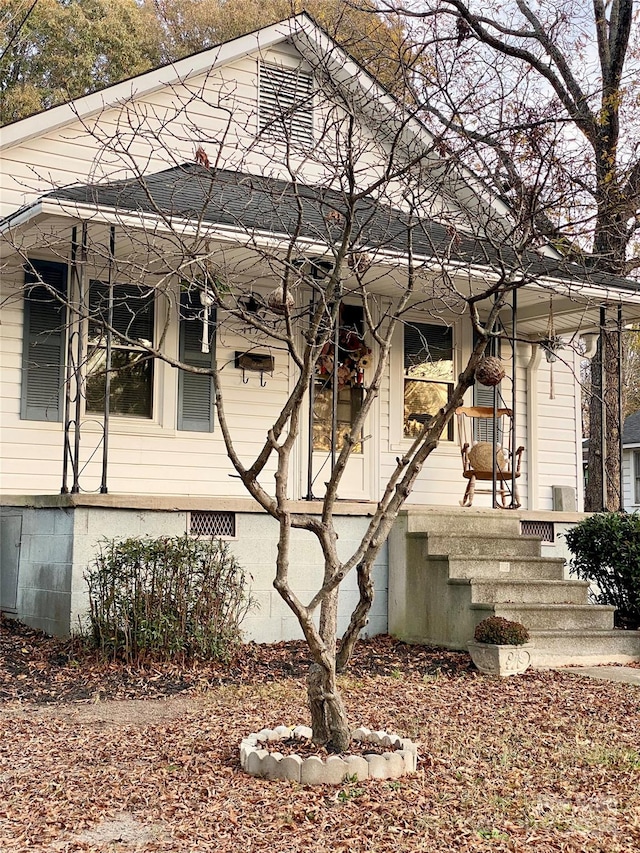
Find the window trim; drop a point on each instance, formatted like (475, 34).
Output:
(636, 477)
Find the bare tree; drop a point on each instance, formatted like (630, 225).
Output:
(333, 221)
(551, 87)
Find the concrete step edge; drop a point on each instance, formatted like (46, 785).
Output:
(489, 558)
(604, 633)
(500, 537)
(523, 582)
(528, 606)
(526, 582)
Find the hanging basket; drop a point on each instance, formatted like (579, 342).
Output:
(490, 371)
(277, 302)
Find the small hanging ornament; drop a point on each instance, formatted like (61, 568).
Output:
(551, 345)
(490, 371)
(360, 262)
(277, 302)
(206, 300)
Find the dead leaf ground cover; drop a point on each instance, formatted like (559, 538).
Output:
(105, 758)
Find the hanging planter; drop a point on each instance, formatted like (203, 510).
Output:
(277, 301)
(551, 346)
(490, 371)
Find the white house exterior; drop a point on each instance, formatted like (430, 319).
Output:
(631, 462)
(167, 469)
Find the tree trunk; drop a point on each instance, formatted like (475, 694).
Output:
(604, 438)
(594, 490)
(358, 617)
(328, 716)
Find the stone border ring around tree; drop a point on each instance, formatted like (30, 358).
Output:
(314, 770)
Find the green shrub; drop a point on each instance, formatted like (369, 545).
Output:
(166, 598)
(500, 632)
(606, 551)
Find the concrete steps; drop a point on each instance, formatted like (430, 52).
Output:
(471, 545)
(522, 591)
(549, 617)
(584, 647)
(451, 569)
(534, 568)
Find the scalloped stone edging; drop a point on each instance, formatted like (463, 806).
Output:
(258, 761)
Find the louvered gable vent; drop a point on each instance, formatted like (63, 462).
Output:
(286, 104)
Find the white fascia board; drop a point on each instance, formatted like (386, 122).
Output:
(597, 292)
(152, 224)
(21, 217)
(147, 83)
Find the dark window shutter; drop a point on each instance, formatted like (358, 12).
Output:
(483, 396)
(195, 391)
(45, 320)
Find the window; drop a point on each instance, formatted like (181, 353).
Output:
(353, 355)
(131, 375)
(45, 320)
(428, 374)
(636, 476)
(286, 104)
(195, 390)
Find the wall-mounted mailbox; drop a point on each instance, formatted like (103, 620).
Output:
(261, 362)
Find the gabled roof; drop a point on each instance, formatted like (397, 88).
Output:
(631, 430)
(313, 43)
(253, 204)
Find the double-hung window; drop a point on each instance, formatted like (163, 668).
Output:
(131, 369)
(636, 476)
(428, 374)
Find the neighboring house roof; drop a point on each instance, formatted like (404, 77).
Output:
(252, 203)
(631, 430)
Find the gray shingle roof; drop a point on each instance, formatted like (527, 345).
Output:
(631, 429)
(253, 202)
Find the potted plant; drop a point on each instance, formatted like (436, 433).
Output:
(500, 647)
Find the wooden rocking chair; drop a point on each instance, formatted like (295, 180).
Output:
(479, 460)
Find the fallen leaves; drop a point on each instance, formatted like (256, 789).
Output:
(543, 763)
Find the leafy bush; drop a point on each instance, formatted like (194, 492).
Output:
(606, 551)
(500, 632)
(166, 598)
